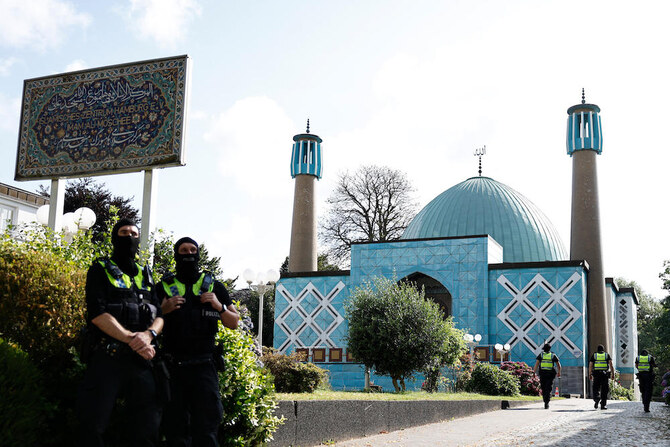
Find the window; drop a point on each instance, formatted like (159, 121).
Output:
(6, 215)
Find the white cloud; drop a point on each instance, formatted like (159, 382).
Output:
(10, 109)
(76, 65)
(165, 21)
(198, 115)
(39, 24)
(253, 139)
(6, 65)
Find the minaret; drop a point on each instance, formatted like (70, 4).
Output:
(305, 169)
(584, 143)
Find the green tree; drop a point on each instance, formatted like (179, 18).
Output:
(396, 331)
(662, 350)
(250, 299)
(163, 257)
(86, 192)
(374, 203)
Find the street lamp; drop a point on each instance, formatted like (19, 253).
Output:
(502, 350)
(82, 219)
(472, 341)
(264, 282)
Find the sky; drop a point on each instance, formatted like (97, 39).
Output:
(413, 85)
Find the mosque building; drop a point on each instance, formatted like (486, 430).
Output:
(487, 255)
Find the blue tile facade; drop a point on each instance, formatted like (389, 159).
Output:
(533, 306)
(516, 304)
(460, 264)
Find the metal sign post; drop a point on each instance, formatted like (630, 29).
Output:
(56, 204)
(148, 200)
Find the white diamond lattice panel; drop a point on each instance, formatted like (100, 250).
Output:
(624, 341)
(311, 317)
(542, 318)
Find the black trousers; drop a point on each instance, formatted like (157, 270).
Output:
(193, 415)
(601, 387)
(547, 383)
(646, 387)
(106, 379)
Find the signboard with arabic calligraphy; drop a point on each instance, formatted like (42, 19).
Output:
(106, 120)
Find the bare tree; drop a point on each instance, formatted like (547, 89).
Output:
(372, 204)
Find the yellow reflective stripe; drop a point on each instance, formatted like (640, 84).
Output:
(124, 282)
(181, 287)
(547, 361)
(643, 363)
(600, 363)
(175, 288)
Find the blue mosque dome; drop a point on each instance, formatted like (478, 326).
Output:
(481, 205)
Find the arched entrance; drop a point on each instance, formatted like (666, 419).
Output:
(434, 290)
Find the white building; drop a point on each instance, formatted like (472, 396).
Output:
(18, 206)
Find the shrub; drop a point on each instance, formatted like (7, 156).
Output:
(528, 381)
(489, 379)
(41, 301)
(617, 391)
(247, 393)
(42, 311)
(396, 331)
(463, 372)
(291, 375)
(22, 407)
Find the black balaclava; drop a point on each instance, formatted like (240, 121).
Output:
(186, 265)
(125, 248)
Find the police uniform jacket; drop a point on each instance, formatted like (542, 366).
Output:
(130, 298)
(190, 331)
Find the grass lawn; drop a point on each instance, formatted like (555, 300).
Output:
(409, 395)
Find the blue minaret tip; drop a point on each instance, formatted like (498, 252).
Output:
(307, 125)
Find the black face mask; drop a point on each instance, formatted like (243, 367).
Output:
(125, 250)
(126, 247)
(187, 266)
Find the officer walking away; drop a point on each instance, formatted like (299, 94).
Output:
(645, 365)
(123, 318)
(545, 364)
(193, 303)
(600, 369)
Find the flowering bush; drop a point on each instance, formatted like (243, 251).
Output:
(530, 383)
(619, 392)
(463, 372)
(665, 382)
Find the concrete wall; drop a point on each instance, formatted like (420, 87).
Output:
(310, 423)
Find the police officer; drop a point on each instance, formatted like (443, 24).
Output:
(545, 364)
(193, 303)
(123, 318)
(645, 365)
(600, 369)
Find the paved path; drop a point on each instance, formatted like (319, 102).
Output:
(569, 422)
